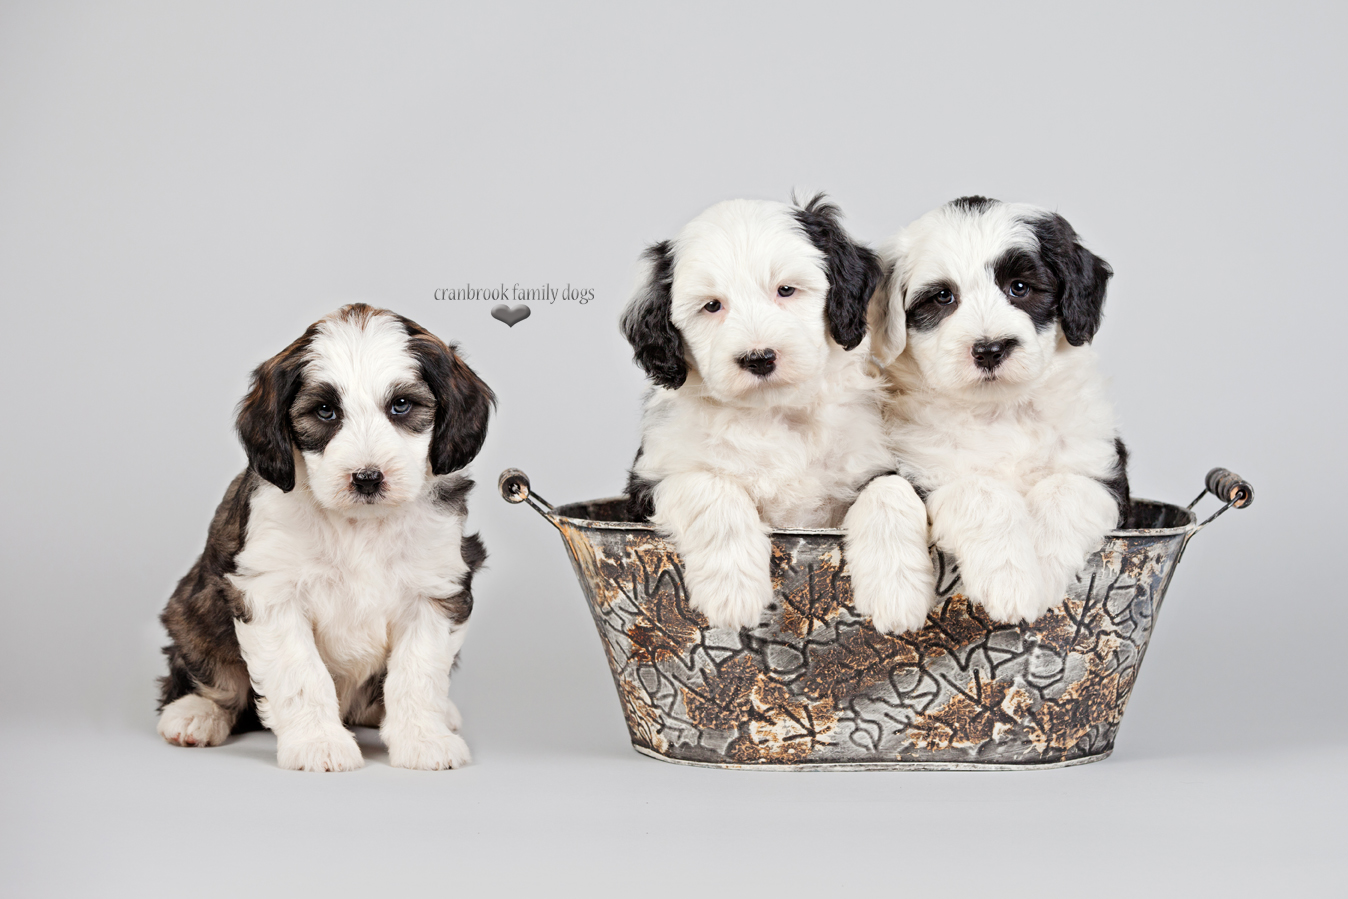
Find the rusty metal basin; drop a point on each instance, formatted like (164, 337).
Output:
(815, 687)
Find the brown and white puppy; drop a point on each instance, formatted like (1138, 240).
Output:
(335, 583)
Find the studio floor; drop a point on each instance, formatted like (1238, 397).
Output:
(114, 811)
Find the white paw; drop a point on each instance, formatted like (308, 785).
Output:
(894, 612)
(194, 720)
(739, 603)
(433, 753)
(452, 717)
(335, 752)
(1008, 592)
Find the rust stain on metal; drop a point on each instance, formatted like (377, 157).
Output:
(814, 683)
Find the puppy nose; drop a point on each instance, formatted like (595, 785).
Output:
(367, 480)
(758, 362)
(988, 354)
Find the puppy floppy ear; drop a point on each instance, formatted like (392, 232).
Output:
(1081, 276)
(853, 271)
(657, 346)
(264, 413)
(888, 322)
(463, 401)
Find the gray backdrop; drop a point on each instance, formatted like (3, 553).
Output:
(182, 190)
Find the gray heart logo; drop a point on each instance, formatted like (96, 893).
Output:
(511, 317)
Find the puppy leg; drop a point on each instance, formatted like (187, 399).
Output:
(885, 539)
(419, 721)
(205, 715)
(724, 544)
(1071, 514)
(194, 720)
(296, 695)
(987, 526)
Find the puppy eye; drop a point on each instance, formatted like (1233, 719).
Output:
(1018, 289)
(326, 412)
(945, 296)
(785, 291)
(713, 306)
(401, 406)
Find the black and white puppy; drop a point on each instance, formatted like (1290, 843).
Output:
(997, 411)
(336, 576)
(752, 323)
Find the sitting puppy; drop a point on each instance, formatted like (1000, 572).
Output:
(751, 323)
(997, 413)
(336, 575)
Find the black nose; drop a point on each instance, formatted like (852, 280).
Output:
(367, 481)
(758, 362)
(988, 354)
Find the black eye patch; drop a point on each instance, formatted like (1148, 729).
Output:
(417, 401)
(316, 416)
(933, 304)
(1028, 285)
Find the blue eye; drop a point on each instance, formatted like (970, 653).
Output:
(326, 412)
(785, 291)
(400, 406)
(945, 297)
(713, 306)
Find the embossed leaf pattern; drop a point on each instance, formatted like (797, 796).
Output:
(816, 683)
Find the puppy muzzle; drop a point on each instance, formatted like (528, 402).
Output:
(758, 362)
(989, 354)
(367, 481)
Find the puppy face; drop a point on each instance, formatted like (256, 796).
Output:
(753, 296)
(365, 407)
(979, 293)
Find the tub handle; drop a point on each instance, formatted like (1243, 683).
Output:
(514, 487)
(1227, 486)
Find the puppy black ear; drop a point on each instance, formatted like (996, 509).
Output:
(463, 401)
(264, 413)
(657, 345)
(1081, 275)
(853, 270)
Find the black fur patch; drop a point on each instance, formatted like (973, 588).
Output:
(973, 203)
(657, 346)
(1118, 485)
(199, 616)
(926, 313)
(1079, 276)
(453, 495)
(313, 434)
(421, 416)
(463, 402)
(640, 493)
(264, 413)
(853, 270)
(459, 606)
(1038, 303)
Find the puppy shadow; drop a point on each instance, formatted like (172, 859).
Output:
(260, 746)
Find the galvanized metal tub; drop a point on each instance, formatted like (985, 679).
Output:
(814, 686)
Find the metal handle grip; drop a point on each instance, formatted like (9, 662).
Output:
(514, 487)
(1229, 487)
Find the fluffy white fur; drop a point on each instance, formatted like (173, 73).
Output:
(339, 586)
(732, 454)
(1013, 460)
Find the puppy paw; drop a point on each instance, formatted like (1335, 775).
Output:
(738, 605)
(429, 753)
(337, 752)
(194, 720)
(1008, 592)
(896, 614)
